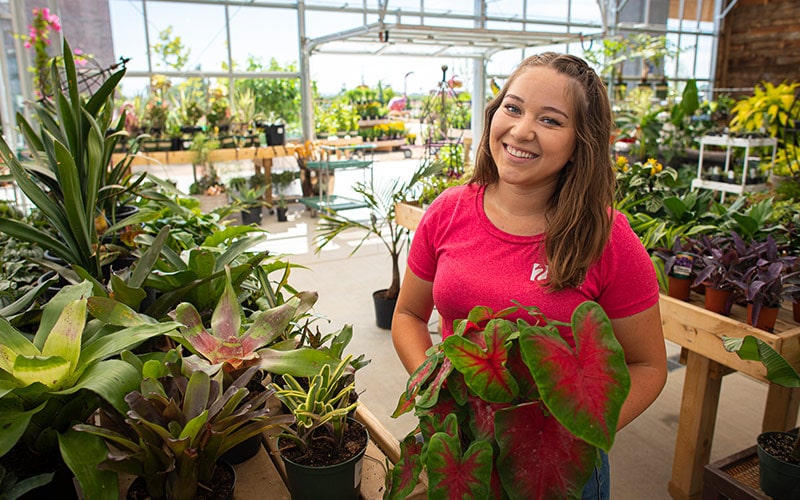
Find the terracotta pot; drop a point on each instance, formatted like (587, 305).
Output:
(766, 317)
(716, 300)
(679, 287)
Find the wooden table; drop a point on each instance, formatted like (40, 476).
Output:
(261, 156)
(699, 333)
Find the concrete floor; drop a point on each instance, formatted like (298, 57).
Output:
(641, 459)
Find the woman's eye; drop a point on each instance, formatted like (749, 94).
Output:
(511, 108)
(551, 121)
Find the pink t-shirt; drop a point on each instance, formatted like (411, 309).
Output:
(471, 262)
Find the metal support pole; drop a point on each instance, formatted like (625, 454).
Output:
(306, 96)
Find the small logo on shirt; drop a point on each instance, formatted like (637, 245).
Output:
(539, 272)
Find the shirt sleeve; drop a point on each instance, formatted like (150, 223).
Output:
(628, 273)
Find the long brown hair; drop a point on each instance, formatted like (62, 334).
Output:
(579, 211)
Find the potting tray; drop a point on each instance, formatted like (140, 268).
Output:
(734, 477)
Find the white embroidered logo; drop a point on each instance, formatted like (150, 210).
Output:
(539, 272)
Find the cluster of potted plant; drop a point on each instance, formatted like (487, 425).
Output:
(249, 196)
(156, 369)
(778, 452)
(758, 274)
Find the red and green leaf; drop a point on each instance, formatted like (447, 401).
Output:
(484, 369)
(405, 404)
(453, 475)
(405, 474)
(226, 320)
(430, 395)
(482, 417)
(422, 373)
(539, 458)
(584, 388)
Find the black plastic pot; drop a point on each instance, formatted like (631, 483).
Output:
(275, 134)
(281, 211)
(251, 216)
(335, 482)
(384, 309)
(777, 478)
(243, 451)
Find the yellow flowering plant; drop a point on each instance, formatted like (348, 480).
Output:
(643, 183)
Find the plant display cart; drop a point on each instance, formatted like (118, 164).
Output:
(744, 185)
(356, 157)
(699, 334)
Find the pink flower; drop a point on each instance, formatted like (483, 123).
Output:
(27, 45)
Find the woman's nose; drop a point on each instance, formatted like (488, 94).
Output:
(523, 131)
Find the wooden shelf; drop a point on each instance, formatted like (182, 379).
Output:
(186, 157)
(408, 215)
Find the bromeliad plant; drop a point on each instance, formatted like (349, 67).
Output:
(511, 409)
(62, 376)
(226, 344)
(178, 426)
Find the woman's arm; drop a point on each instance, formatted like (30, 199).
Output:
(645, 354)
(410, 333)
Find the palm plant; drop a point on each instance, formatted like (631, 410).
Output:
(380, 200)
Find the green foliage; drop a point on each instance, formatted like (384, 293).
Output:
(178, 426)
(12, 488)
(60, 377)
(68, 176)
(767, 111)
(276, 99)
(643, 185)
(171, 51)
(324, 404)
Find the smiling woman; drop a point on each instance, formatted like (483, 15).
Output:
(540, 198)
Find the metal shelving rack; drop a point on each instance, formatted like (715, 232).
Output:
(730, 143)
(327, 201)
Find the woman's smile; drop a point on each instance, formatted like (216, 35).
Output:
(519, 153)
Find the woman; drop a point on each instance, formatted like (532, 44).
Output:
(535, 224)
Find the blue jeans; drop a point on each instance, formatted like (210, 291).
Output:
(598, 487)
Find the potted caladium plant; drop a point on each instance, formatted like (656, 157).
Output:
(511, 409)
(778, 452)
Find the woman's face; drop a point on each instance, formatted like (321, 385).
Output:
(532, 135)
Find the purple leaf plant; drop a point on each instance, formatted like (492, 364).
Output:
(511, 409)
